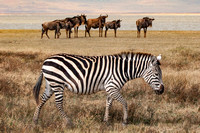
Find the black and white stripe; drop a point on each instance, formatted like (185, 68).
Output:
(90, 74)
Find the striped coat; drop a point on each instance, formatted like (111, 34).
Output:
(90, 74)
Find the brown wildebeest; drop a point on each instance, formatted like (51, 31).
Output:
(112, 25)
(95, 23)
(143, 23)
(76, 21)
(53, 25)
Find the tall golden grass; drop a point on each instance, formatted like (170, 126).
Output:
(21, 56)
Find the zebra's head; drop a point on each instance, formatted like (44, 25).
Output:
(153, 75)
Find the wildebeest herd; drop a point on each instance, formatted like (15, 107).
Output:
(100, 22)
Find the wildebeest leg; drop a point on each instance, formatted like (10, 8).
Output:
(58, 34)
(138, 31)
(106, 32)
(42, 33)
(88, 31)
(77, 32)
(70, 31)
(55, 33)
(47, 34)
(115, 30)
(145, 31)
(85, 30)
(99, 31)
(66, 33)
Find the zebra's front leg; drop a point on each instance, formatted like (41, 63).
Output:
(108, 105)
(116, 95)
(125, 109)
(59, 104)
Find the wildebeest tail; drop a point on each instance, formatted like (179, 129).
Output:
(86, 27)
(42, 27)
(138, 28)
(36, 89)
(60, 25)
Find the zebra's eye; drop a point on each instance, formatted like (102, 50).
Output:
(156, 74)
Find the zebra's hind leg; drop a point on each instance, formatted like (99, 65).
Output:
(59, 104)
(46, 95)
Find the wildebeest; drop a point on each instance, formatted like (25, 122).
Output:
(95, 23)
(112, 25)
(53, 25)
(76, 21)
(65, 25)
(143, 23)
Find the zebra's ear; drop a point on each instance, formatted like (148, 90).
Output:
(159, 57)
(156, 60)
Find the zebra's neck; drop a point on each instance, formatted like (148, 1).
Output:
(131, 65)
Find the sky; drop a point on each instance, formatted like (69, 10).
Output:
(99, 6)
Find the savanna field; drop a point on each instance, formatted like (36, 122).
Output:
(22, 53)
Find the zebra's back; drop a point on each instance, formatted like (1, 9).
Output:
(80, 74)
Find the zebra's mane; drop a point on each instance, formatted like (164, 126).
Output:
(120, 55)
(131, 54)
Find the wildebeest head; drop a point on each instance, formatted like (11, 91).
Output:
(149, 20)
(103, 19)
(83, 19)
(118, 23)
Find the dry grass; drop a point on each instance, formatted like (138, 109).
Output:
(177, 110)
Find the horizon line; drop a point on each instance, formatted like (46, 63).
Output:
(102, 13)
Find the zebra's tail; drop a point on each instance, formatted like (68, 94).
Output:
(36, 89)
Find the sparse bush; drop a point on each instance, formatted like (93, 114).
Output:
(182, 58)
(9, 88)
(178, 89)
(14, 62)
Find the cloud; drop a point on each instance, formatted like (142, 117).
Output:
(98, 6)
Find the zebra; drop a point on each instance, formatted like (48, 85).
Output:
(90, 74)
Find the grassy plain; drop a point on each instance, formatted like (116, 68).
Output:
(178, 110)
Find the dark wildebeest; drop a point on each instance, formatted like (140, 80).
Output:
(95, 23)
(112, 25)
(53, 25)
(143, 23)
(76, 21)
(67, 25)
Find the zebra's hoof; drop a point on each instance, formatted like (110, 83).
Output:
(106, 123)
(124, 124)
(68, 124)
(35, 121)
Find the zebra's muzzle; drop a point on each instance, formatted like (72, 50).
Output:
(160, 91)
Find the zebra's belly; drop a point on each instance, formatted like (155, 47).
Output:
(84, 90)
